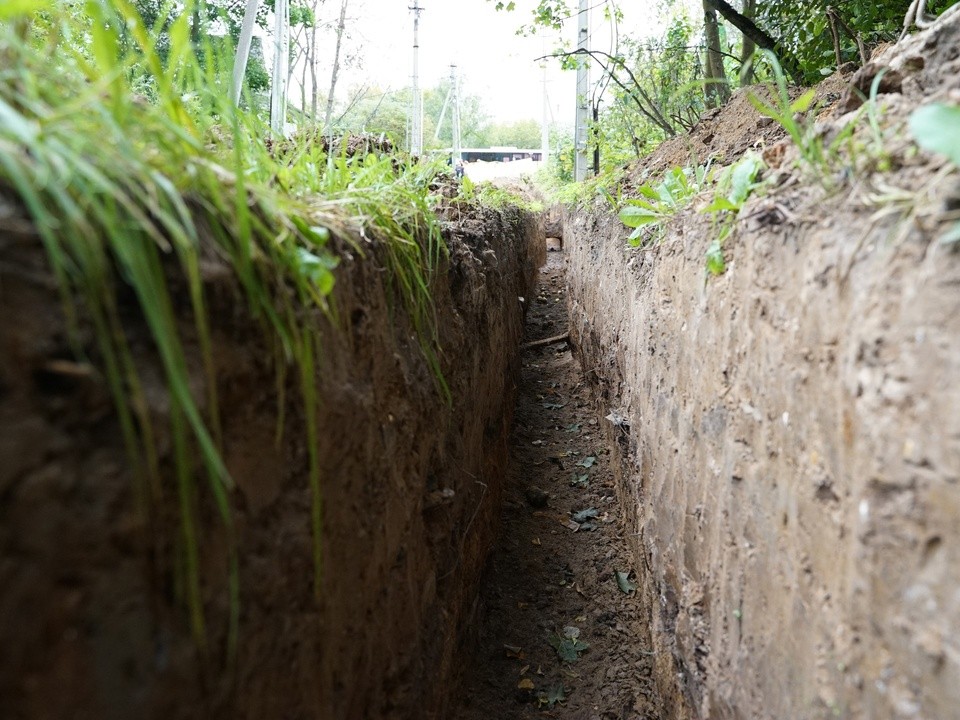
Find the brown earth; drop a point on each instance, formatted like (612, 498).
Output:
(792, 469)
(550, 573)
(91, 619)
(772, 456)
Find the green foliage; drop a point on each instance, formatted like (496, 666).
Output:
(671, 66)
(568, 648)
(474, 121)
(816, 154)
(521, 134)
(17, 8)
(495, 197)
(202, 20)
(376, 111)
(936, 127)
(661, 202)
(734, 186)
(715, 262)
(803, 29)
(129, 193)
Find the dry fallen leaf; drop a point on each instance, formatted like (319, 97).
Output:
(526, 684)
(523, 670)
(513, 651)
(536, 541)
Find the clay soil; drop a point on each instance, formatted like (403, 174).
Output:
(551, 579)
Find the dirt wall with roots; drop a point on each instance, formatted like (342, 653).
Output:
(792, 457)
(788, 438)
(90, 621)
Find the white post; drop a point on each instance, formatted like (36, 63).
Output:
(583, 91)
(455, 113)
(243, 49)
(545, 124)
(281, 62)
(443, 114)
(416, 113)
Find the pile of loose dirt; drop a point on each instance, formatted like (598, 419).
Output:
(726, 133)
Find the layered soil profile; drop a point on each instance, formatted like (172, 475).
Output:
(92, 621)
(788, 443)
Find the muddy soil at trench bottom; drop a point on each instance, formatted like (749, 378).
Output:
(559, 636)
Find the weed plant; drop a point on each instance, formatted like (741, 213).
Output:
(818, 156)
(661, 202)
(492, 196)
(936, 127)
(122, 190)
(733, 187)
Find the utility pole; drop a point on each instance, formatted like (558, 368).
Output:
(443, 114)
(243, 49)
(455, 113)
(416, 113)
(583, 91)
(281, 62)
(544, 125)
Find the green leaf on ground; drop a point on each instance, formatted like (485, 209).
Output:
(555, 694)
(715, 263)
(951, 236)
(623, 582)
(573, 428)
(936, 127)
(582, 516)
(568, 649)
(587, 462)
(580, 480)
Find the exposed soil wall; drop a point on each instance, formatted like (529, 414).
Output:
(789, 447)
(90, 621)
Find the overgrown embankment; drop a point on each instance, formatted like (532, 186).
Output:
(254, 394)
(786, 431)
(94, 622)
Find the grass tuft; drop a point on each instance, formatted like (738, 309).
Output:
(132, 167)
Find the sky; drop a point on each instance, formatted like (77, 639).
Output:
(492, 61)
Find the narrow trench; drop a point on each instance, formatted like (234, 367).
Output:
(559, 637)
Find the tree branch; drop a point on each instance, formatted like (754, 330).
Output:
(653, 113)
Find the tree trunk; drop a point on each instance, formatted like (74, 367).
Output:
(749, 46)
(336, 66)
(716, 89)
(755, 34)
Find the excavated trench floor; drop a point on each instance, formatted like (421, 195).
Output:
(561, 635)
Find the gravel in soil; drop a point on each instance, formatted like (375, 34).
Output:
(562, 633)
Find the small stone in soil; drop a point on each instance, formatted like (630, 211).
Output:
(536, 497)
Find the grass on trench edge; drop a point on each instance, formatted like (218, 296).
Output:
(117, 186)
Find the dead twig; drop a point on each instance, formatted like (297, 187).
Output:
(546, 341)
